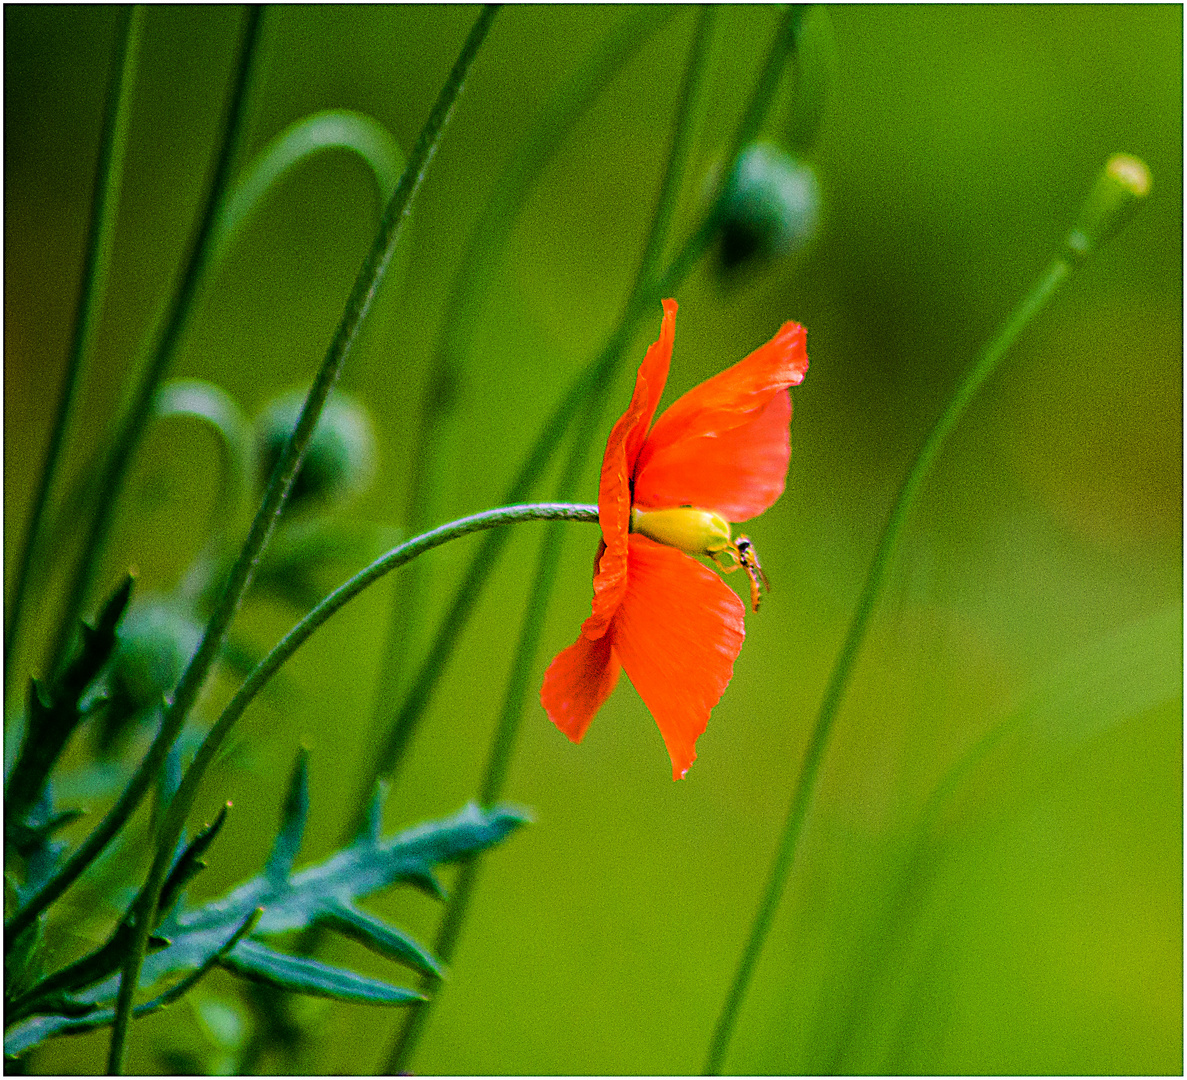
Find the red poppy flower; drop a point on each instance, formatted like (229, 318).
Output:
(716, 456)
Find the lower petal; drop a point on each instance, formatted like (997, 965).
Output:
(577, 682)
(677, 633)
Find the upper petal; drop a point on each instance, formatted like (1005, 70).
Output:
(725, 445)
(738, 472)
(677, 633)
(618, 466)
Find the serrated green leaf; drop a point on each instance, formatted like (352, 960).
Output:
(324, 894)
(307, 976)
(54, 713)
(82, 1014)
(189, 861)
(292, 822)
(68, 984)
(327, 890)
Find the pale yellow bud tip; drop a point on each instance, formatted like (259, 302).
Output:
(1131, 172)
(1121, 184)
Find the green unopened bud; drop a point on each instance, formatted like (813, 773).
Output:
(772, 204)
(1124, 181)
(692, 530)
(153, 644)
(340, 459)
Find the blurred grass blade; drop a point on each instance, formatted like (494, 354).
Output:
(96, 263)
(1117, 680)
(1129, 672)
(1133, 670)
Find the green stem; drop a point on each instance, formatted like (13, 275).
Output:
(1054, 276)
(593, 381)
(362, 295)
(548, 561)
(131, 428)
(109, 173)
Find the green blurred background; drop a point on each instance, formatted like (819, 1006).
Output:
(1028, 918)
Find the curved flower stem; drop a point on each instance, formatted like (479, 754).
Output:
(548, 561)
(109, 172)
(365, 289)
(347, 591)
(1113, 195)
(131, 428)
(593, 381)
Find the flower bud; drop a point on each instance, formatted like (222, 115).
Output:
(340, 458)
(771, 207)
(153, 644)
(693, 531)
(1120, 185)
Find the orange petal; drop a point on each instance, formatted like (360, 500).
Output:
(677, 633)
(618, 464)
(577, 682)
(739, 473)
(725, 444)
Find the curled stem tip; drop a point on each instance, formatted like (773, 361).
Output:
(1120, 186)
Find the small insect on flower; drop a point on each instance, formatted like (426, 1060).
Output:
(668, 496)
(748, 560)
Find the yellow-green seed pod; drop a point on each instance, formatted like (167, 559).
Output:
(692, 530)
